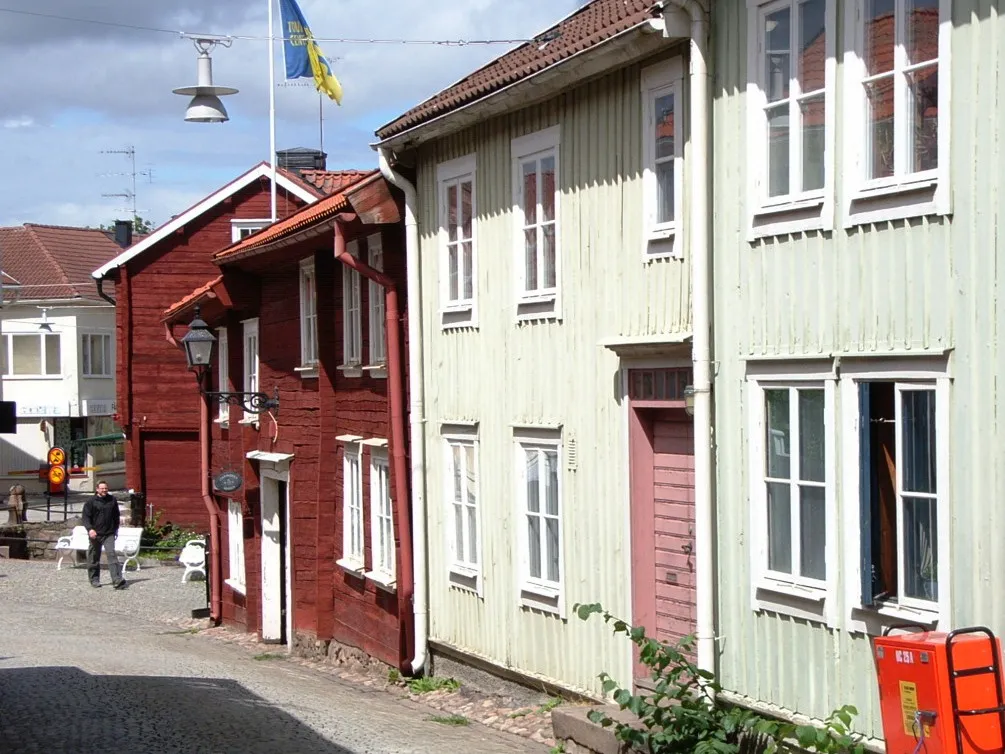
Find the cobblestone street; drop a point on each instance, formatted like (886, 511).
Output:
(86, 669)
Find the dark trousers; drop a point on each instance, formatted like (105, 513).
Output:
(104, 542)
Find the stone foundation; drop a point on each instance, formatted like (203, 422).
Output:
(335, 653)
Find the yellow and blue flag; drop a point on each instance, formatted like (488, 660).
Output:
(304, 58)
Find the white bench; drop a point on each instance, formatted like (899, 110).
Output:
(193, 557)
(127, 542)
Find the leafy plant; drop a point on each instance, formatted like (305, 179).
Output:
(163, 536)
(558, 748)
(428, 684)
(267, 656)
(684, 713)
(450, 720)
(394, 676)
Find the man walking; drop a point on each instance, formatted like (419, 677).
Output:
(101, 519)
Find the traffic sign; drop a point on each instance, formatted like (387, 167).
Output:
(56, 456)
(57, 474)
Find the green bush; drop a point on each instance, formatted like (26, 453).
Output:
(157, 535)
(684, 713)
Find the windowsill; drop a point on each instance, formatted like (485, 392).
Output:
(382, 580)
(465, 308)
(542, 307)
(892, 187)
(458, 317)
(223, 423)
(354, 567)
(237, 586)
(798, 215)
(350, 370)
(250, 421)
(98, 376)
(897, 200)
(307, 372)
(541, 598)
(17, 377)
(788, 589)
(377, 371)
(465, 571)
(903, 613)
(349, 438)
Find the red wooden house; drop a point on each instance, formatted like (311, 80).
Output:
(162, 446)
(315, 546)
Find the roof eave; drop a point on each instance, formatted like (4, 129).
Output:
(626, 47)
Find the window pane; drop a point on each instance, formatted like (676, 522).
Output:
(811, 436)
(530, 192)
(777, 53)
(553, 556)
(776, 404)
(534, 545)
(533, 498)
(922, 30)
(548, 189)
(921, 552)
(27, 352)
(468, 281)
(530, 252)
(814, 114)
(778, 150)
(880, 127)
(812, 45)
(472, 536)
(452, 212)
(452, 263)
(4, 366)
(551, 482)
(879, 36)
(665, 126)
(812, 533)
(86, 353)
(459, 531)
(458, 471)
(665, 191)
(918, 438)
(548, 237)
(779, 527)
(466, 209)
(923, 110)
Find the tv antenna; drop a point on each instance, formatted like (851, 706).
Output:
(130, 196)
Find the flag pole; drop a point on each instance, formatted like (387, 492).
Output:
(272, 108)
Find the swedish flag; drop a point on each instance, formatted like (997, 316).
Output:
(304, 58)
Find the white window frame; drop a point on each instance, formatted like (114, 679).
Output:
(376, 309)
(352, 317)
(461, 311)
(928, 373)
(803, 210)
(240, 229)
(235, 542)
(252, 347)
(464, 572)
(223, 373)
(308, 319)
(661, 240)
(8, 345)
(383, 563)
(353, 551)
(539, 593)
(805, 598)
(903, 195)
(541, 303)
(87, 355)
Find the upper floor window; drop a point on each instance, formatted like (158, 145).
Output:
(223, 372)
(378, 325)
(243, 228)
(662, 148)
(308, 315)
(31, 355)
(458, 294)
(381, 520)
(536, 209)
(250, 362)
(352, 323)
(96, 354)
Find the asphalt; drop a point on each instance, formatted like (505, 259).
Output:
(85, 669)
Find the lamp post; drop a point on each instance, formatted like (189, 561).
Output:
(205, 105)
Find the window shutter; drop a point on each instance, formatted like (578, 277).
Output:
(865, 486)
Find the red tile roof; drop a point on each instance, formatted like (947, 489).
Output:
(53, 262)
(590, 25)
(193, 298)
(329, 182)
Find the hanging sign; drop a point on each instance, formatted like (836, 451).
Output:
(227, 481)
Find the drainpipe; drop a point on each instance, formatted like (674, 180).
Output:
(396, 391)
(98, 282)
(417, 415)
(215, 565)
(701, 259)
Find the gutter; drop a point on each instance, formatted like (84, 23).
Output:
(416, 415)
(396, 391)
(98, 283)
(215, 563)
(701, 258)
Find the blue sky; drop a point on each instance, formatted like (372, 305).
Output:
(73, 90)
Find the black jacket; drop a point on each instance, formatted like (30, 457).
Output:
(102, 515)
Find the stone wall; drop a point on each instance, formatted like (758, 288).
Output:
(334, 653)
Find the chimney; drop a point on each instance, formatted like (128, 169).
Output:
(301, 158)
(124, 233)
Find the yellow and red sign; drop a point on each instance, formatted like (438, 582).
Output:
(56, 457)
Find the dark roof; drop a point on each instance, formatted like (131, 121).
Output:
(52, 261)
(590, 25)
(329, 182)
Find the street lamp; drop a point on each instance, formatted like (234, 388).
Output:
(198, 343)
(205, 105)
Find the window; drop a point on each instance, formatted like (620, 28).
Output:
(378, 327)
(96, 355)
(897, 140)
(32, 355)
(791, 95)
(462, 503)
(250, 363)
(662, 151)
(540, 522)
(352, 509)
(223, 372)
(457, 211)
(381, 521)
(308, 315)
(535, 200)
(352, 327)
(243, 228)
(235, 541)
(900, 488)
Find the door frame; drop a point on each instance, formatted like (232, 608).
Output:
(271, 476)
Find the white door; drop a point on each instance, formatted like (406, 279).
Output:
(275, 593)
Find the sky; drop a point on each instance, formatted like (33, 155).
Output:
(73, 92)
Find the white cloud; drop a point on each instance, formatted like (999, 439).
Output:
(22, 121)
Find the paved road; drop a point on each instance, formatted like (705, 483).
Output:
(86, 670)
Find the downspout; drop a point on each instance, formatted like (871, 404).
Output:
(215, 564)
(402, 528)
(416, 415)
(98, 282)
(701, 258)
